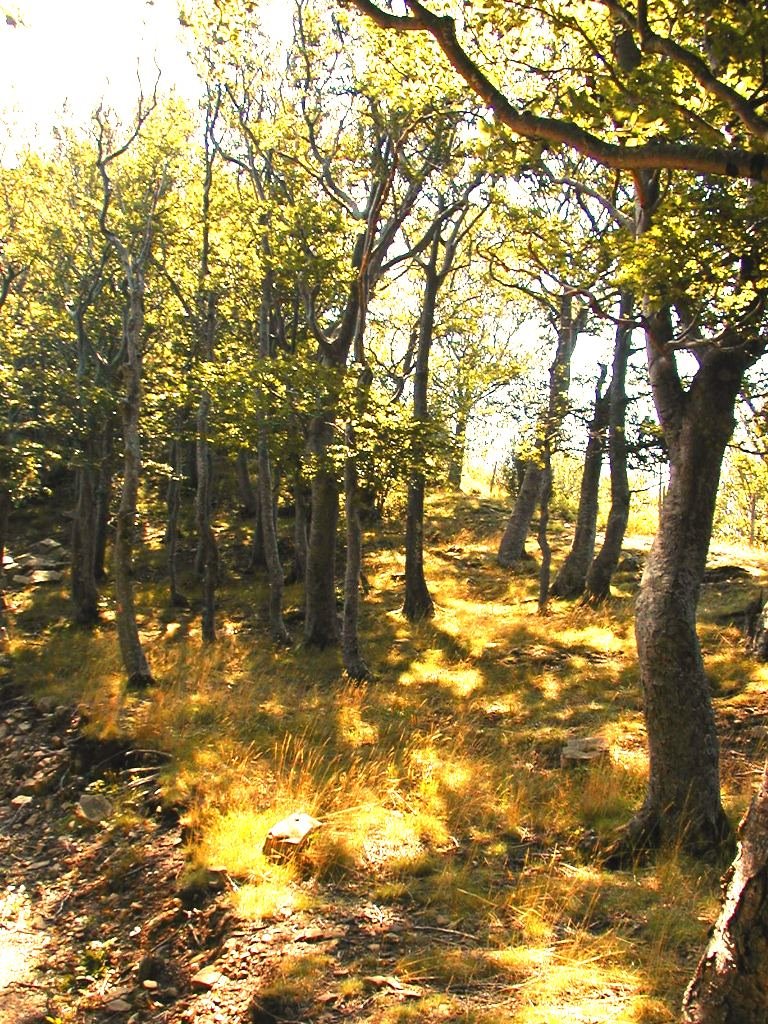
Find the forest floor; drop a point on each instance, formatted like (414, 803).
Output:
(456, 874)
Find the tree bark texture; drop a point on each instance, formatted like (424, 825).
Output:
(570, 580)
(543, 540)
(683, 800)
(597, 586)
(730, 985)
(207, 546)
(512, 547)
(301, 497)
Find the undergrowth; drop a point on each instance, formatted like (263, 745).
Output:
(438, 784)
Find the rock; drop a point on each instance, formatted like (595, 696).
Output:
(94, 807)
(290, 833)
(46, 576)
(23, 581)
(22, 800)
(47, 546)
(208, 977)
(118, 1006)
(582, 751)
(726, 573)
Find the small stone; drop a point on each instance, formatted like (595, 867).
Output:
(22, 800)
(46, 576)
(148, 983)
(582, 751)
(206, 978)
(94, 807)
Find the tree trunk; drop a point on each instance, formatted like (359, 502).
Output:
(5, 511)
(256, 557)
(354, 664)
(131, 649)
(730, 985)
(207, 546)
(597, 586)
(103, 502)
(321, 625)
(683, 801)
(569, 582)
(512, 547)
(418, 601)
(457, 454)
(300, 530)
(85, 594)
(543, 539)
(248, 497)
(177, 599)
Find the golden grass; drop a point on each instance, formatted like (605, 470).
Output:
(438, 784)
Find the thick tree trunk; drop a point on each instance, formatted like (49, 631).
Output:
(512, 547)
(730, 985)
(354, 663)
(597, 586)
(683, 801)
(85, 595)
(248, 498)
(132, 652)
(570, 580)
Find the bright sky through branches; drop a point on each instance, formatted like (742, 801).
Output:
(63, 58)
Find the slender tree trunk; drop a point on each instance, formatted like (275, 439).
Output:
(300, 530)
(207, 546)
(177, 599)
(256, 557)
(267, 494)
(418, 601)
(103, 502)
(269, 533)
(512, 547)
(598, 582)
(683, 800)
(458, 452)
(730, 985)
(543, 539)
(569, 582)
(354, 664)
(321, 625)
(131, 648)
(85, 594)
(248, 497)
(5, 511)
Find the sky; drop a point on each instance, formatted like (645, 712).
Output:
(65, 57)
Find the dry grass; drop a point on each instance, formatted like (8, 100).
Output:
(439, 783)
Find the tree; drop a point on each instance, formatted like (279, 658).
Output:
(133, 254)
